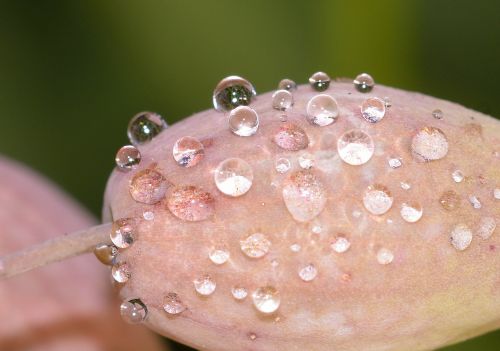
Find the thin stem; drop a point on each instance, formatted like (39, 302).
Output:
(54, 250)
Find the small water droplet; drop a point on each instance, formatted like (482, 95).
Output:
(148, 186)
(190, 203)
(172, 304)
(496, 193)
(123, 232)
(355, 147)
(243, 121)
(231, 92)
(148, 215)
(266, 299)
(316, 229)
(306, 161)
(282, 100)
(252, 336)
(295, 247)
(127, 158)
(457, 176)
(450, 200)
(487, 226)
(320, 81)
(474, 201)
(219, 255)
(233, 177)
(239, 293)
(204, 285)
(304, 196)
(308, 273)
(364, 83)
(388, 102)
(144, 126)
(395, 163)
(256, 245)
(341, 244)
(291, 137)
(405, 185)
(106, 254)
(373, 110)
(133, 311)
(322, 110)
(411, 212)
(377, 199)
(121, 272)
(429, 144)
(188, 151)
(437, 114)
(461, 237)
(287, 84)
(385, 256)
(275, 263)
(282, 165)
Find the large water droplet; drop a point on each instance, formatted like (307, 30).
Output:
(385, 256)
(188, 151)
(172, 304)
(127, 158)
(239, 293)
(282, 165)
(243, 121)
(266, 299)
(341, 244)
(233, 177)
(411, 212)
(461, 237)
(256, 245)
(450, 200)
(219, 255)
(322, 110)
(364, 83)
(320, 81)
(204, 285)
(377, 199)
(148, 186)
(133, 311)
(457, 176)
(308, 273)
(144, 126)
(190, 203)
(123, 232)
(429, 144)
(231, 92)
(291, 137)
(287, 84)
(373, 109)
(487, 226)
(121, 272)
(355, 147)
(304, 196)
(282, 100)
(106, 254)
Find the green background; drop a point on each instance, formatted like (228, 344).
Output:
(72, 73)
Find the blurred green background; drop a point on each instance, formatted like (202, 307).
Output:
(72, 73)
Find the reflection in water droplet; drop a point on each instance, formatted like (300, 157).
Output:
(306, 161)
(373, 110)
(106, 254)
(308, 273)
(291, 137)
(304, 196)
(385, 256)
(377, 199)
(121, 272)
(282, 100)
(411, 212)
(287, 84)
(219, 255)
(457, 176)
(190, 203)
(474, 201)
(144, 126)
(282, 165)
(320, 81)
(395, 163)
(233, 177)
(364, 83)
(243, 121)
(429, 144)
(123, 232)
(266, 299)
(341, 244)
(322, 110)
(172, 304)
(148, 186)
(188, 151)
(204, 285)
(239, 293)
(133, 311)
(127, 158)
(487, 226)
(256, 245)
(355, 147)
(437, 114)
(231, 92)
(450, 200)
(461, 237)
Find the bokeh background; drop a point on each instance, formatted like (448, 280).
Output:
(72, 73)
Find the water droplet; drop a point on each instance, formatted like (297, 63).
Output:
(388, 102)
(306, 161)
(364, 83)
(322, 110)
(144, 126)
(148, 215)
(474, 201)
(106, 254)
(295, 247)
(188, 151)
(461, 237)
(411, 212)
(437, 114)
(123, 232)
(219, 255)
(450, 200)
(291, 137)
(275, 263)
(373, 110)
(133, 311)
(395, 163)
(320, 81)
(243, 121)
(127, 158)
(256, 245)
(429, 144)
(304, 196)
(172, 304)
(148, 186)
(316, 229)
(287, 84)
(487, 226)
(308, 273)
(355, 147)
(377, 199)
(282, 100)
(121, 272)
(282, 165)
(231, 92)
(266, 299)
(204, 285)
(496, 193)
(190, 203)
(341, 244)
(457, 176)
(405, 186)
(239, 293)
(385, 256)
(252, 336)
(233, 177)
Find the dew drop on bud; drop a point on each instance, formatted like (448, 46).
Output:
(287, 84)
(385, 256)
(233, 177)
(395, 162)
(172, 304)
(373, 110)
(320, 81)
(411, 212)
(450, 200)
(461, 237)
(364, 83)
(106, 254)
(322, 110)
(239, 293)
(437, 114)
(127, 158)
(148, 186)
(377, 199)
(219, 255)
(243, 121)
(457, 176)
(256, 245)
(231, 92)
(266, 299)
(123, 232)
(144, 126)
(282, 100)
(291, 137)
(133, 311)
(282, 165)
(306, 161)
(341, 244)
(486, 227)
(190, 203)
(355, 147)
(121, 272)
(188, 151)
(308, 273)
(304, 196)
(429, 144)
(204, 285)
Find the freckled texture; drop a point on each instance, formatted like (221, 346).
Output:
(430, 294)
